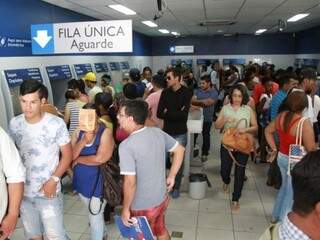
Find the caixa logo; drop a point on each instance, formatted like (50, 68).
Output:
(3, 41)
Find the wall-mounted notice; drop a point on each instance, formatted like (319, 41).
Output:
(234, 61)
(82, 69)
(60, 72)
(114, 66)
(82, 37)
(101, 67)
(181, 49)
(182, 62)
(124, 65)
(206, 62)
(15, 77)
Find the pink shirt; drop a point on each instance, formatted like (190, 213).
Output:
(153, 101)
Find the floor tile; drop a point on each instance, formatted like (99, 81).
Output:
(210, 234)
(181, 218)
(189, 233)
(247, 236)
(74, 236)
(215, 221)
(250, 208)
(215, 206)
(249, 223)
(184, 203)
(78, 208)
(76, 223)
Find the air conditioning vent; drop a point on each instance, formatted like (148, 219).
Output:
(216, 23)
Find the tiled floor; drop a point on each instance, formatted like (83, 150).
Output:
(207, 219)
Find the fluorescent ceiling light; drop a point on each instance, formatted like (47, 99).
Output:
(150, 24)
(298, 17)
(163, 31)
(220, 31)
(122, 9)
(259, 31)
(175, 33)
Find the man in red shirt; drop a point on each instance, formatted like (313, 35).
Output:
(258, 90)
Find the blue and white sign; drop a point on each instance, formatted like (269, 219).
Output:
(82, 37)
(187, 62)
(101, 67)
(206, 62)
(181, 49)
(82, 69)
(114, 66)
(234, 61)
(15, 77)
(124, 65)
(60, 72)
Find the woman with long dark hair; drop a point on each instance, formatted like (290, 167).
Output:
(285, 124)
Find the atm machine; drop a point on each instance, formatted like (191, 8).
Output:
(3, 115)
(58, 77)
(116, 75)
(101, 69)
(206, 62)
(125, 67)
(10, 88)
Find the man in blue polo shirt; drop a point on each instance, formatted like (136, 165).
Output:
(205, 97)
(286, 83)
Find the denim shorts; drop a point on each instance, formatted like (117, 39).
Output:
(43, 216)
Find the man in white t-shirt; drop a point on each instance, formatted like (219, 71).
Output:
(12, 176)
(91, 82)
(214, 75)
(40, 137)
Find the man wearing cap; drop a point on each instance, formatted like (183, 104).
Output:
(91, 82)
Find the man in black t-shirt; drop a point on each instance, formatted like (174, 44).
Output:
(173, 108)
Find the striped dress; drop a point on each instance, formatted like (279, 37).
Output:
(74, 107)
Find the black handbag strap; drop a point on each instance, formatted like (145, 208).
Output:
(94, 189)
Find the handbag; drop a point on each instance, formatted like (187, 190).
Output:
(274, 178)
(112, 183)
(241, 142)
(296, 151)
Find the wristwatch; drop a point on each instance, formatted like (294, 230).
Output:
(55, 178)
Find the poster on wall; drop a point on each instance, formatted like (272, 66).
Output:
(60, 72)
(15, 77)
(82, 69)
(82, 37)
(234, 61)
(114, 66)
(101, 67)
(183, 62)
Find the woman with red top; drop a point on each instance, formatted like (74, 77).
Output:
(285, 124)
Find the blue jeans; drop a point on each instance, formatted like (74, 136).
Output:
(97, 227)
(182, 139)
(284, 199)
(43, 216)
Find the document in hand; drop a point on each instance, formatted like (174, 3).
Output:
(140, 230)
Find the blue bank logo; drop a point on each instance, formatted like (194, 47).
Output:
(42, 39)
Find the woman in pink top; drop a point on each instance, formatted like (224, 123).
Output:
(153, 99)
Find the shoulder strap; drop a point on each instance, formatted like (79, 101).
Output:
(299, 131)
(293, 122)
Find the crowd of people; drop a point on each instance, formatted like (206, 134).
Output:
(142, 128)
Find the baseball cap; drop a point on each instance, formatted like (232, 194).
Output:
(308, 73)
(90, 76)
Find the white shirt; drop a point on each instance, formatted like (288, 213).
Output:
(39, 146)
(93, 92)
(11, 169)
(215, 79)
(316, 108)
(267, 102)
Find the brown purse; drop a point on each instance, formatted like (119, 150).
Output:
(235, 141)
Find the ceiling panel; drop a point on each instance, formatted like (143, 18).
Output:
(185, 15)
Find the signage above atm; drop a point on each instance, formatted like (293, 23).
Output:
(234, 61)
(114, 66)
(101, 67)
(82, 37)
(82, 69)
(124, 65)
(61, 72)
(15, 77)
(181, 49)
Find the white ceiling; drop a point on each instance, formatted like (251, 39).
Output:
(184, 16)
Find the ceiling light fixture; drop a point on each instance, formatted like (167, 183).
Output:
(220, 31)
(164, 31)
(122, 9)
(175, 33)
(259, 31)
(150, 24)
(298, 17)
